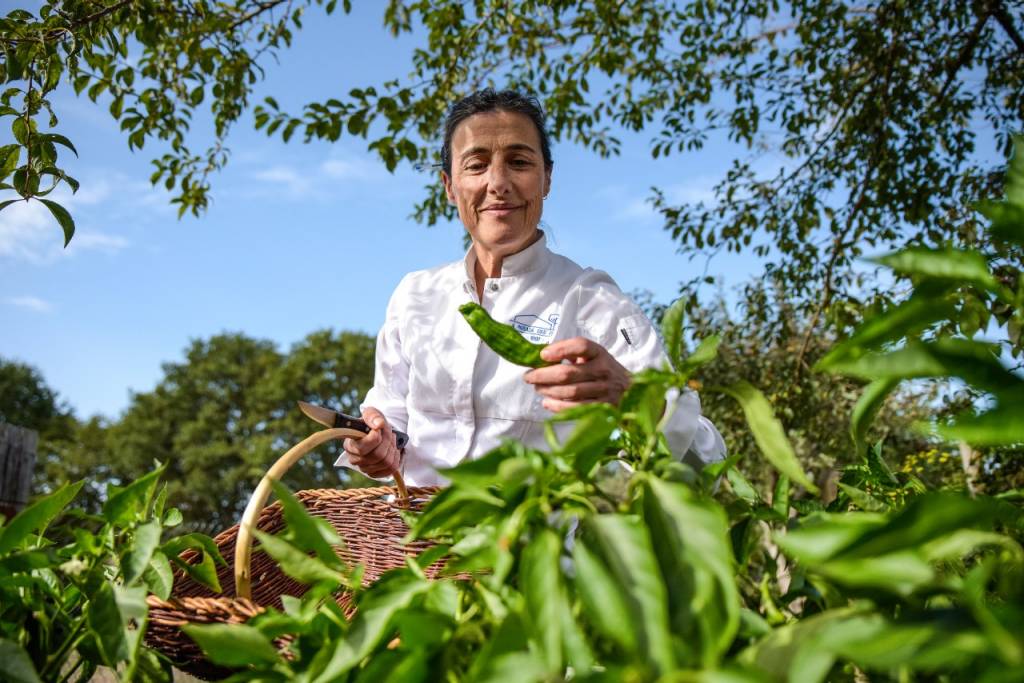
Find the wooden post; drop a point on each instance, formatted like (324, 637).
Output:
(17, 459)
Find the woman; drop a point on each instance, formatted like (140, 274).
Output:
(435, 379)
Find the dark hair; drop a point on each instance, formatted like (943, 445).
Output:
(487, 100)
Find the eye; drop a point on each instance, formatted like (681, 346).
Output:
(474, 165)
(522, 162)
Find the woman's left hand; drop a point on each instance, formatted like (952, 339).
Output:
(591, 376)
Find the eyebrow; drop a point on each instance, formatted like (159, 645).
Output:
(514, 147)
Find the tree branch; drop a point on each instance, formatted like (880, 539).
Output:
(998, 10)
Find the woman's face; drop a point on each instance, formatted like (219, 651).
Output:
(498, 180)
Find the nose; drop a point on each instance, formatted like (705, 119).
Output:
(498, 179)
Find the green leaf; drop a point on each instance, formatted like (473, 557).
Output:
(205, 572)
(308, 532)
(67, 223)
(15, 664)
(1007, 220)
(672, 331)
(540, 581)
(60, 140)
(296, 563)
(925, 518)
(690, 538)
(705, 352)
(868, 405)
(20, 130)
(603, 600)
(234, 645)
(371, 623)
(9, 155)
(482, 473)
(1000, 426)
(589, 439)
(116, 617)
(909, 317)
(780, 497)
(768, 432)
(900, 572)
(159, 577)
(1014, 188)
(627, 551)
(742, 487)
(822, 535)
(974, 362)
(131, 502)
(957, 265)
(36, 516)
(139, 555)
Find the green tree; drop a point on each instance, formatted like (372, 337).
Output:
(877, 109)
(223, 415)
(67, 449)
(28, 401)
(760, 343)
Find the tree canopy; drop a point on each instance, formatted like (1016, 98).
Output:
(880, 112)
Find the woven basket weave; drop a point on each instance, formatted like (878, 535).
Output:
(368, 521)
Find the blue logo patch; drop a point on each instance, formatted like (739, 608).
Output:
(534, 328)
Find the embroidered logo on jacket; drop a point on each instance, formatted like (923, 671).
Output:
(535, 328)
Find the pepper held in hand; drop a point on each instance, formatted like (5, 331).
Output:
(503, 339)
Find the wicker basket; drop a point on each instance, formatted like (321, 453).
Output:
(368, 521)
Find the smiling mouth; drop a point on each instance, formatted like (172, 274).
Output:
(500, 208)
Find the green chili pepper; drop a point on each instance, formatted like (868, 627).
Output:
(503, 339)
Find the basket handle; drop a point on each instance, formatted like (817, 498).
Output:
(243, 544)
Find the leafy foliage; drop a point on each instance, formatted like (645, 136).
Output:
(874, 109)
(73, 586)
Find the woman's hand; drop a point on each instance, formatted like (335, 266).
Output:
(376, 453)
(593, 376)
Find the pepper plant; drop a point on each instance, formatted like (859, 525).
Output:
(73, 586)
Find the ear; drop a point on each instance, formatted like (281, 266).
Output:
(547, 181)
(448, 189)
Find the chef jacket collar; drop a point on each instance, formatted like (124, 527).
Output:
(533, 257)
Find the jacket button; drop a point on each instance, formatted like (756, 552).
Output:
(494, 286)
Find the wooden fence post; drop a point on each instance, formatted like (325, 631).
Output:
(17, 460)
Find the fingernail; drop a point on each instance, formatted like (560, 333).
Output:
(378, 422)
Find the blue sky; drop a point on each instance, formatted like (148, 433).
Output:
(298, 238)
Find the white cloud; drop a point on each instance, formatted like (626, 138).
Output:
(29, 232)
(100, 241)
(321, 181)
(292, 183)
(359, 169)
(33, 303)
(639, 208)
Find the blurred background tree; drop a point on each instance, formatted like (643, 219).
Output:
(219, 418)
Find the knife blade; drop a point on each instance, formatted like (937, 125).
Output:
(332, 418)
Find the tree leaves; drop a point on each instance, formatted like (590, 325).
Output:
(768, 432)
(36, 516)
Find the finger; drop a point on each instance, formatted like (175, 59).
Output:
(557, 405)
(365, 445)
(374, 418)
(380, 463)
(575, 392)
(571, 349)
(567, 374)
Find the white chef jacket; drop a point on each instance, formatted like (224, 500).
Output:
(456, 399)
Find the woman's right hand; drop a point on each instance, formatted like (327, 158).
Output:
(376, 454)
